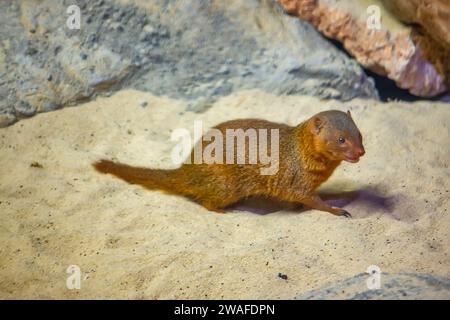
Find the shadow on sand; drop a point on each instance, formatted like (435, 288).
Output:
(366, 200)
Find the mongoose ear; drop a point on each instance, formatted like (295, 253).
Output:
(317, 124)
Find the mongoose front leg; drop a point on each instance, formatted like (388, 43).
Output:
(315, 202)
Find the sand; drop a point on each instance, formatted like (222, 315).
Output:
(56, 211)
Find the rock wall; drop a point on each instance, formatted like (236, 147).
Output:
(192, 50)
(414, 62)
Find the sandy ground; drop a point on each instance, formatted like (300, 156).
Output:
(133, 243)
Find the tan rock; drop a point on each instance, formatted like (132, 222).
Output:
(433, 37)
(414, 62)
(432, 15)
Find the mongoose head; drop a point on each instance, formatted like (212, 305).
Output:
(336, 136)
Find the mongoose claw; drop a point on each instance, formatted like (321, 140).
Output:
(346, 214)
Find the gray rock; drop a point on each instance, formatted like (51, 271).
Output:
(223, 70)
(49, 106)
(7, 116)
(184, 52)
(25, 109)
(392, 286)
(201, 104)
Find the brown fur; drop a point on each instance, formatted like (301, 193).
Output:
(309, 153)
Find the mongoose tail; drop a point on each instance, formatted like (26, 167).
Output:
(152, 179)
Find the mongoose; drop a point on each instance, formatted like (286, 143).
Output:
(308, 155)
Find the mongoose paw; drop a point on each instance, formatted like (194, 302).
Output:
(213, 208)
(346, 214)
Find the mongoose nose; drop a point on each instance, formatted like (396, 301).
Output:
(361, 152)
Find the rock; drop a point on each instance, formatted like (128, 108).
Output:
(148, 33)
(201, 104)
(148, 29)
(30, 51)
(49, 106)
(25, 109)
(244, 73)
(392, 287)
(433, 16)
(257, 53)
(6, 119)
(433, 35)
(392, 50)
(223, 70)
(243, 45)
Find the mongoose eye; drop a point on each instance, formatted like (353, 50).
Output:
(341, 140)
